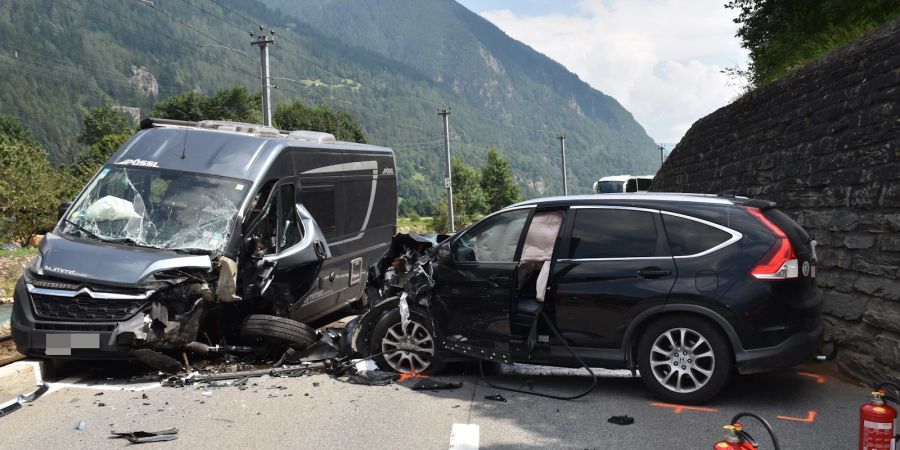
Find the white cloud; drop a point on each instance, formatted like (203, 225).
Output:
(660, 58)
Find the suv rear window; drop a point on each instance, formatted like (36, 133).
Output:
(689, 237)
(613, 233)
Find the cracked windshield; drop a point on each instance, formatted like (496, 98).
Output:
(156, 208)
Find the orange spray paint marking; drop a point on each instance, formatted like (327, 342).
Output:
(819, 378)
(406, 376)
(677, 409)
(810, 417)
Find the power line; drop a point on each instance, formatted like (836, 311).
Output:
(237, 13)
(188, 45)
(189, 26)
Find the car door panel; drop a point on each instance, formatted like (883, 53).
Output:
(473, 286)
(615, 264)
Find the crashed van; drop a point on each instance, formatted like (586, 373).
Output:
(207, 231)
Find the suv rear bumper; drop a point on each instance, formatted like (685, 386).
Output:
(796, 349)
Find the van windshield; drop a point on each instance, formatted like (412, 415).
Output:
(157, 208)
(610, 187)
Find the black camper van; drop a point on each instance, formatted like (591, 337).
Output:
(201, 228)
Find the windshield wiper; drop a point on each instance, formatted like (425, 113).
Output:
(126, 241)
(82, 229)
(191, 251)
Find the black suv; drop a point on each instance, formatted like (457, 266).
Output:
(685, 288)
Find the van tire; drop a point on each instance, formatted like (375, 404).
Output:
(278, 329)
(714, 353)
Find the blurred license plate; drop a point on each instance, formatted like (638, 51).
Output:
(61, 344)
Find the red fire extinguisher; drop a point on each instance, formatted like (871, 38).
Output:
(734, 439)
(876, 423)
(738, 439)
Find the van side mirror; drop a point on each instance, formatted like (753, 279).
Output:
(63, 207)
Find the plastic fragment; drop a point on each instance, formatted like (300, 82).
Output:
(621, 420)
(496, 398)
(80, 425)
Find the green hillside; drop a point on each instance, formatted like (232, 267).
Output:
(389, 63)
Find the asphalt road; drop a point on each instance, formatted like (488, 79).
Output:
(816, 411)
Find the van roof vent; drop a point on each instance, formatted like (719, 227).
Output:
(239, 127)
(312, 136)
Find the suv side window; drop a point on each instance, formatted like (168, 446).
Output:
(689, 237)
(614, 233)
(495, 239)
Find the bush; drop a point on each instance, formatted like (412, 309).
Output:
(31, 190)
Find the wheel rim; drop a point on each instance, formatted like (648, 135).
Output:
(409, 350)
(682, 360)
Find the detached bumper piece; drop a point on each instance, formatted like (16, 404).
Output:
(143, 437)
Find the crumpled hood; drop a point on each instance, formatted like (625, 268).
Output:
(107, 263)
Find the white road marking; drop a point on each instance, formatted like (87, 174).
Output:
(464, 436)
(85, 382)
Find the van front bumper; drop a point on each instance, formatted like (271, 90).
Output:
(62, 339)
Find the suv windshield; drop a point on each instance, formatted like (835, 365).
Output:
(156, 208)
(610, 187)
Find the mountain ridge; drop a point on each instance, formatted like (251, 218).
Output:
(390, 64)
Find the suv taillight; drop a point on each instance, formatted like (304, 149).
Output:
(780, 262)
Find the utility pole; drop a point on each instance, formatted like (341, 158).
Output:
(263, 42)
(562, 150)
(661, 158)
(444, 112)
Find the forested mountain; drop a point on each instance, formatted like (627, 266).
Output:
(390, 63)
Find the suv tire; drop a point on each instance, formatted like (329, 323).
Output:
(279, 329)
(388, 334)
(684, 359)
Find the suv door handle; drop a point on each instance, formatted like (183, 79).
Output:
(653, 272)
(498, 280)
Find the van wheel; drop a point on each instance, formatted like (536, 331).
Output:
(390, 338)
(278, 329)
(684, 359)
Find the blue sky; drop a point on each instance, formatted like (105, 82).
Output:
(661, 59)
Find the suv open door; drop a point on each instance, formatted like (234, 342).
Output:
(474, 280)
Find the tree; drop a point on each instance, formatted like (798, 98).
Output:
(99, 122)
(784, 34)
(189, 106)
(90, 162)
(299, 116)
(30, 190)
(497, 182)
(12, 129)
(234, 104)
(467, 191)
(469, 201)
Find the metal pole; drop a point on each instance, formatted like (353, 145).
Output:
(263, 42)
(448, 181)
(562, 150)
(661, 158)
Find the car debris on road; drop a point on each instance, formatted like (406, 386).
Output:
(144, 437)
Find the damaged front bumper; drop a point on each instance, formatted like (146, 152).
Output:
(51, 323)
